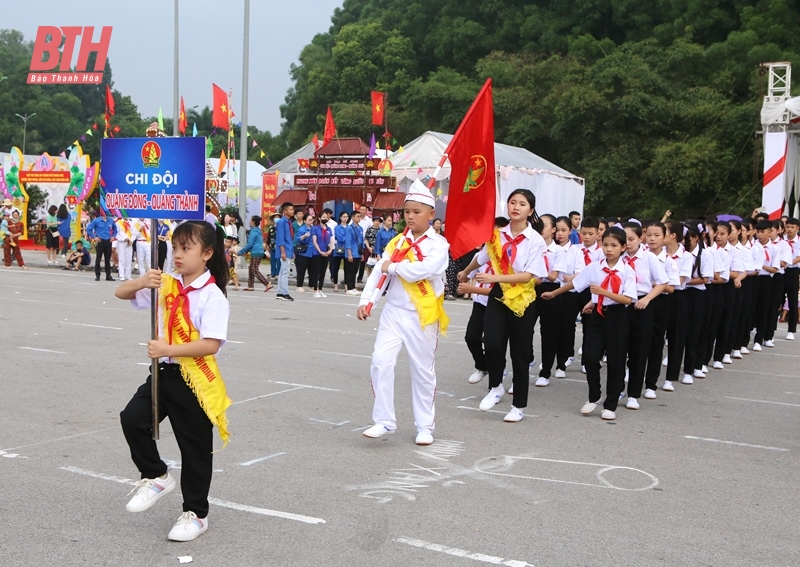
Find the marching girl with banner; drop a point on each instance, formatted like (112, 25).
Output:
(516, 254)
(193, 326)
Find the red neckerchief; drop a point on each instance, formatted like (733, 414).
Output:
(400, 253)
(614, 281)
(546, 263)
(510, 251)
(766, 253)
(631, 260)
(324, 230)
(488, 270)
(586, 258)
(182, 301)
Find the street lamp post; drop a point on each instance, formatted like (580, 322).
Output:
(25, 128)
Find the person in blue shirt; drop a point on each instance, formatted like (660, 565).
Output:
(163, 237)
(255, 245)
(100, 231)
(304, 249)
(575, 221)
(78, 258)
(340, 238)
(322, 240)
(354, 246)
(64, 230)
(284, 246)
(385, 235)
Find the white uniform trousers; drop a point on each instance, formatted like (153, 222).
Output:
(143, 255)
(124, 253)
(399, 327)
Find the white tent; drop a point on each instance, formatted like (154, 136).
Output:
(557, 190)
(289, 163)
(253, 192)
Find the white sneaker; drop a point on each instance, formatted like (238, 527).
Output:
(717, 365)
(148, 491)
(756, 347)
(580, 351)
(699, 374)
(560, 373)
(704, 369)
(668, 387)
(769, 344)
(322, 294)
(377, 430)
(352, 292)
(300, 290)
(541, 381)
(650, 394)
(188, 527)
(541, 367)
(608, 415)
(665, 362)
(424, 437)
(492, 398)
(514, 415)
(583, 369)
(477, 376)
(736, 354)
(510, 389)
(588, 408)
(569, 361)
(687, 379)
(744, 350)
(317, 294)
(726, 359)
(632, 403)
(605, 358)
(789, 336)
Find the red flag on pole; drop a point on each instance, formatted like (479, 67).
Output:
(109, 102)
(378, 107)
(182, 123)
(220, 111)
(315, 141)
(472, 198)
(330, 127)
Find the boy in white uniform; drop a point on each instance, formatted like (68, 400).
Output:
(414, 263)
(125, 240)
(141, 229)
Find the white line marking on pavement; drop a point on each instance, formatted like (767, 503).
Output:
(493, 411)
(735, 443)
(461, 552)
(236, 342)
(215, 501)
(361, 428)
(63, 438)
(786, 355)
(143, 364)
(761, 401)
(42, 350)
(329, 422)
(254, 461)
(342, 353)
(467, 398)
(266, 396)
(306, 386)
(88, 325)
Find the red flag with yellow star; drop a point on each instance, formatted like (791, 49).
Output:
(472, 198)
(182, 123)
(378, 108)
(220, 113)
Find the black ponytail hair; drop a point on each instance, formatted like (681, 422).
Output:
(676, 228)
(617, 234)
(534, 220)
(208, 236)
(694, 230)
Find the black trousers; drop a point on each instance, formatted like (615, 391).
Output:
(336, 265)
(566, 337)
(301, 264)
(695, 314)
(745, 324)
(350, 269)
(550, 314)
(662, 306)
(102, 248)
(316, 271)
(762, 311)
(605, 334)
(734, 320)
(474, 335)
(720, 333)
(503, 329)
(677, 329)
(193, 432)
(776, 303)
(162, 254)
(640, 334)
(791, 287)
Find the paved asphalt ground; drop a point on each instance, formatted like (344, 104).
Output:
(707, 475)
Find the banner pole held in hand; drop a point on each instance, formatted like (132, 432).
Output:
(154, 326)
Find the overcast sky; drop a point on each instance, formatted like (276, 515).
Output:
(141, 50)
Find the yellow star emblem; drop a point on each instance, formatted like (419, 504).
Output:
(223, 108)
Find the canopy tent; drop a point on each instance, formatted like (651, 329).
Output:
(557, 190)
(289, 163)
(253, 192)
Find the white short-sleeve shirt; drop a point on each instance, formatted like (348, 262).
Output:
(594, 274)
(530, 252)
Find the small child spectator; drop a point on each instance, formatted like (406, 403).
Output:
(230, 257)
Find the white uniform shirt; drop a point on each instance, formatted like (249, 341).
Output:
(593, 274)
(683, 261)
(648, 270)
(745, 257)
(121, 236)
(593, 254)
(794, 249)
(208, 309)
(571, 256)
(530, 252)
(431, 267)
(737, 261)
(332, 224)
(365, 223)
(479, 298)
(706, 270)
(555, 261)
(765, 256)
(722, 260)
(140, 230)
(670, 267)
(783, 251)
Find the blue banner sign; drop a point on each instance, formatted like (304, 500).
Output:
(157, 178)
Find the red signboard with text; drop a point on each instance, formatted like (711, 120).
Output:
(329, 180)
(269, 190)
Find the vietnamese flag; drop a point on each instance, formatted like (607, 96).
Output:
(109, 102)
(220, 111)
(330, 127)
(182, 123)
(472, 198)
(378, 107)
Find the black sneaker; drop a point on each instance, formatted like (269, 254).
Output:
(108, 279)
(288, 297)
(281, 296)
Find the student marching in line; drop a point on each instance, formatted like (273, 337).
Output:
(480, 297)
(413, 315)
(662, 306)
(124, 239)
(723, 287)
(748, 291)
(769, 262)
(784, 253)
(565, 354)
(697, 300)
(590, 251)
(612, 284)
(678, 323)
(705, 347)
(193, 326)
(516, 254)
(791, 277)
(651, 281)
(141, 235)
(740, 268)
(550, 313)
